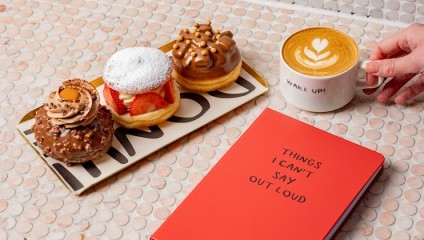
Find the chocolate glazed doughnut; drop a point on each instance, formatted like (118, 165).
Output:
(72, 126)
(204, 60)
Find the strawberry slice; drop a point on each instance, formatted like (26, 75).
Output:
(147, 102)
(169, 91)
(112, 99)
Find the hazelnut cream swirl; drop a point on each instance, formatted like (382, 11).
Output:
(204, 53)
(74, 104)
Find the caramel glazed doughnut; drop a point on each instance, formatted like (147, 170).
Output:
(139, 89)
(205, 60)
(72, 126)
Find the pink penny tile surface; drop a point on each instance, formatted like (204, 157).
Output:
(43, 43)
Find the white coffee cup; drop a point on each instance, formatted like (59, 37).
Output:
(328, 91)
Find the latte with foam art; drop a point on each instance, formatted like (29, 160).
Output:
(320, 52)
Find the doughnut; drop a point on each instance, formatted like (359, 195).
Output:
(72, 126)
(205, 60)
(139, 89)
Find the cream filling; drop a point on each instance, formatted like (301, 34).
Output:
(126, 98)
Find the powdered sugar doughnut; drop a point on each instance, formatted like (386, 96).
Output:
(137, 69)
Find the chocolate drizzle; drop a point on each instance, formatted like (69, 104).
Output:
(204, 53)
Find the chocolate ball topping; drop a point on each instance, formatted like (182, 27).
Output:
(204, 53)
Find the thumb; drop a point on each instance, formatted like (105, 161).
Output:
(395, 66)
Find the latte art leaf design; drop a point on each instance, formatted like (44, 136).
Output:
(316, 57)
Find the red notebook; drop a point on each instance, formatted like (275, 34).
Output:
(283, 179)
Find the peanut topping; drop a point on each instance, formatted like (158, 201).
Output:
(204, 52)
(187, 41)
(185, 30)
(180, 38)
(213, 50)
(175, 46)
(69, 94)
(196, 25)
(193, 54)
(202, 43)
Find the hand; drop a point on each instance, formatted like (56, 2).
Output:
(400, 56)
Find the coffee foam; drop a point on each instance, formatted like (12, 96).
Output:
(320, 52)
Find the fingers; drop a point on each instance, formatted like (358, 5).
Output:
(371, 79)
(392, 87)
(370, 91)
(398, 56)
(396, 43)
(391, 67)
(389, 47)
(411, 91)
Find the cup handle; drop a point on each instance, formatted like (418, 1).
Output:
(363, 84)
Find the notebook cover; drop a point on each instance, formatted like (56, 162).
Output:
(283, 179)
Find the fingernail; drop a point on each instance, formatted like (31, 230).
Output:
(372, 67)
